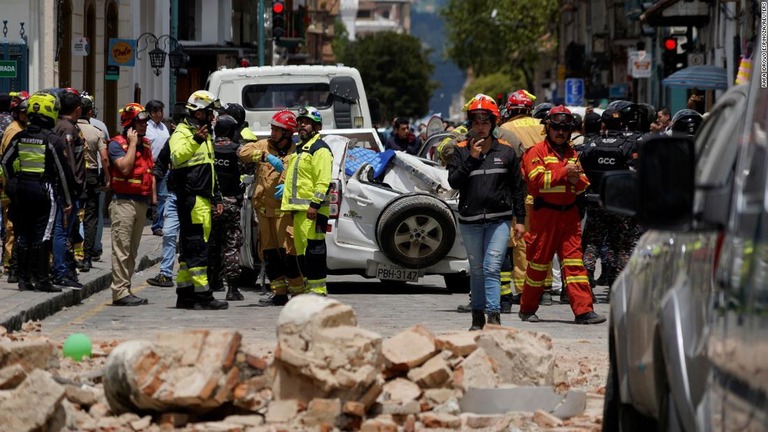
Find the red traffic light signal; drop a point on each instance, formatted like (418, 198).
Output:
(278, 19)
(670, 44)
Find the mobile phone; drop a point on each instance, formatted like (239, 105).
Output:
(472, 135)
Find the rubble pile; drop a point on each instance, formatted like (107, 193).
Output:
(326, 374)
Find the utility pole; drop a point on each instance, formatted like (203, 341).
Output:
(261, 32)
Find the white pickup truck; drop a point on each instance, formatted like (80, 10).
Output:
(336, 91)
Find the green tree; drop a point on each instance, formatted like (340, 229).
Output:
(493, 84)
(500, 36)
(395, 70)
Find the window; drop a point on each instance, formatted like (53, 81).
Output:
(289, 96)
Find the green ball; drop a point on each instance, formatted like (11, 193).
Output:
(77, 346)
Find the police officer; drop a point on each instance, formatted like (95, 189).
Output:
(66, 229)
(18, 108)
(276, 241)
(39, 176)
(196, 191)
(606, 230)
(226, 235)
(307, 182)
(687, 122)
(237, 112)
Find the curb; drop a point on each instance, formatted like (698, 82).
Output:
(70, 297)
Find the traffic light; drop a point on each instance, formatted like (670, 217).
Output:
(278, 19)
(671, 56)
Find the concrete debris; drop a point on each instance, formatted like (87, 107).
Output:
(32, 404)
(11, 376)
(321, 353)
(327, 374)
(409, 349)
(29, 354)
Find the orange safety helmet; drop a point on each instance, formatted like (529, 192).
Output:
(483, 102)
(520, 99)
(132, 112)
(286, 120)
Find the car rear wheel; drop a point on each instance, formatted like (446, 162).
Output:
(457, 283)
(416, 231)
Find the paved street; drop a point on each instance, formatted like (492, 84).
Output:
(384, 308)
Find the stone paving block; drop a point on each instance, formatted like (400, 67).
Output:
(32, 403)
(30, 354)
(400, 390)
(477, 370)
(460, 343)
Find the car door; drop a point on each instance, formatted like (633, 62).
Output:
(738, 345)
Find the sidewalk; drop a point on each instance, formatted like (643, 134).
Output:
(18, 307)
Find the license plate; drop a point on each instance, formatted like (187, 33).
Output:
(391, 272)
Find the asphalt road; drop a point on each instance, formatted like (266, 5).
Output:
(380, 307)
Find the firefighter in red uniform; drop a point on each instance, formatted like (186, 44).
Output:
(555, 178)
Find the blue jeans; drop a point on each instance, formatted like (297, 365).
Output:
(486, 245)
(170, 235)
(162, 196)
(61, 237)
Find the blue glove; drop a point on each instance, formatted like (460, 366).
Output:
(276, 163)
(279, 190)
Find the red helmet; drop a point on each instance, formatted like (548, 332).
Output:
(482, 102)
(285, 119)
(132, 112)
(560, 116)
(18, 98)
(520, 99)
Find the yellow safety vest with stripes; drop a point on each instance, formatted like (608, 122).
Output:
(308, 175)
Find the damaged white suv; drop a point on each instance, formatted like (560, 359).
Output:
(393, 215)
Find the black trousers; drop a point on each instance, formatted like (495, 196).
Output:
(90, 204)
(33, 218)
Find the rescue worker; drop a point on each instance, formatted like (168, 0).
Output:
(604, 229)
(226, 235)
(66, 228)
(39, 175)
(276, 242)
(447, 145)
(97, 179)
(196, 191)
(305, 195)
(555, 179)
(486, 171)
(18, 110)
(133, 191)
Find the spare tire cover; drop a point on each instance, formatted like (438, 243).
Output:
(416, 230)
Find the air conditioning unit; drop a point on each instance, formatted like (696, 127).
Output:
(695, 59)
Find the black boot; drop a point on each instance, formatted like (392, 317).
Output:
(185, 298)
(478, 320)
(12, 276)
(494, 318)
(465, 308)
(43, 271)
(86, 265)
(274, 300)
(233, 293)
(205, 301)
(25, 271)
(507, 301)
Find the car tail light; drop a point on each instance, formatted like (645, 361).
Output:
(334, 198)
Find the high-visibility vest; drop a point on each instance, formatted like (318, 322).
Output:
(139, 181)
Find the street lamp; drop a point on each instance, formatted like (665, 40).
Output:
(157, 55)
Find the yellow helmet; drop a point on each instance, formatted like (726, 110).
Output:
(203, 100)
(44, 104)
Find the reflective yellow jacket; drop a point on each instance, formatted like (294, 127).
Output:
(308, 176)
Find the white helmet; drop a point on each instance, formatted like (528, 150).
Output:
(202, 99)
